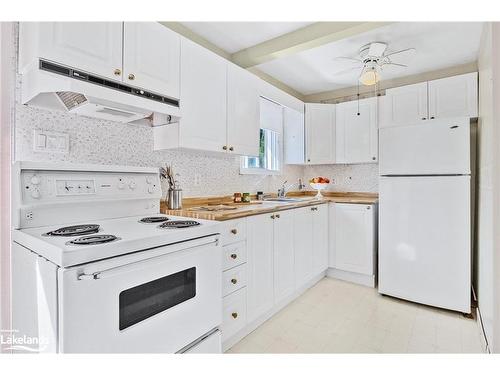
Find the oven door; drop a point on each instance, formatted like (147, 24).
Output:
(155, 301)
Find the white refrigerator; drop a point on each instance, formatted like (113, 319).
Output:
(425, 213)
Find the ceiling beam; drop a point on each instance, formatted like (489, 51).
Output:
(349, 93)
(305, 38)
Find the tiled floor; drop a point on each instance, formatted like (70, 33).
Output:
(339, 317)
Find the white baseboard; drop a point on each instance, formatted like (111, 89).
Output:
(353, 277)
(251, 326)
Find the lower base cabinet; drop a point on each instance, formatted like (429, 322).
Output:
(353, 242)
(284, 259)
(260, 282)
(234, 313)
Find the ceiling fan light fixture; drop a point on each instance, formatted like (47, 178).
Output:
(370, 75)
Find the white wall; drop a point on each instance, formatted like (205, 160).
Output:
(488, 235)
(7, 59)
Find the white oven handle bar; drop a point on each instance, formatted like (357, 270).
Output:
(115, 271)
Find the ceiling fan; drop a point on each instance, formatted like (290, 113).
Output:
(373, 59)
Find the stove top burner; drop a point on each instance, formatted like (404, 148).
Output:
(74, 230)
(153, 219)
(179, 224)
(93, 240)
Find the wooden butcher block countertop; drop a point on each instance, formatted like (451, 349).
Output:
(201, 208)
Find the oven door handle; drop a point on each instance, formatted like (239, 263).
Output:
(115, 271)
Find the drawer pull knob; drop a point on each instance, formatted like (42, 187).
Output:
(231, 148)
(234, 256)
(272, 216)
(131, 76)
(234, 231)
(117, 72)
(234, 281)
(224, 148)
(314, 208)
(277, 216)
(234, 315)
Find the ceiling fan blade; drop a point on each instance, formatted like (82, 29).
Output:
(396, 64)
(377, 49)
(407, 51)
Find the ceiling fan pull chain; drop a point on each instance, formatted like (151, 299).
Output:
(358, 99)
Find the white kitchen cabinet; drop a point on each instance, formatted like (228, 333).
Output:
(320, 238)
(303, 243)
(320, 133)
(202, 99)
(403, 105)
(284, 260)
(93, 47)
(455, 96)
(243, 103)
(294, 136)
(353, 239)
(151, 57)
(260, 281)
(357, 132)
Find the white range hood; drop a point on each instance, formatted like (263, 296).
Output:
(55, 86)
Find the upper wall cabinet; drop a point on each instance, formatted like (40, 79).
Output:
(447, 97)
(454, 96)
(356, 132)
(403, 104)
(96, 49)
(151, 57)
(126, 53)
(203, 99)
(294, 136)
(243, 121)
(320, 133)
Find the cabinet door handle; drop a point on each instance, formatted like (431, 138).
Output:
(131, 76)
(234, 315)
(117, 72)
(368, 207)
(432, 117)
(224, 148)
(277, 216)
(272, 216)
(424, 118)
(374, 158)
(234, 281)
(234, 256)
(314, 208)
(231, 148)
(234, 231)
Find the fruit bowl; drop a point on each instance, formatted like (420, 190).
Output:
(318, 186)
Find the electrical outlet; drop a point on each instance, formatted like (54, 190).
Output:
(29, 215)
(197, 179)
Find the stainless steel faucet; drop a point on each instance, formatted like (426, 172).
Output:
(284, 189)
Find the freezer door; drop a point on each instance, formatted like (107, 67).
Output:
(425, 240)
(431, 147)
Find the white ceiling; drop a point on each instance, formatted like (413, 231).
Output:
(235, 36)
(438, 45)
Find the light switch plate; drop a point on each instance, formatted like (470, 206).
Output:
(49, 141)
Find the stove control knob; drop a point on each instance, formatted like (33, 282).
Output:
(35, 180)
(131, 185)
(35, 193)
(151, 189)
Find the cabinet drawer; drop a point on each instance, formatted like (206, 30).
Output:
(233, 231)
(234, 279)
(233, 255)
(234, 313)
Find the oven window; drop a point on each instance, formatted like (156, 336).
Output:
(143, 301)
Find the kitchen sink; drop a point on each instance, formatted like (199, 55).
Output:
(286, 199)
